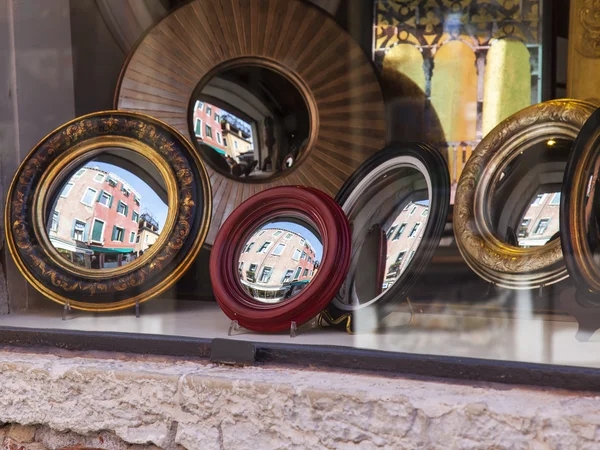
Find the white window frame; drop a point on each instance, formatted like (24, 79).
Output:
(138, 216)
(73, 231)
(275, 249)
(412, 211)
(536, 232)
(109, 199)
(119, 228)
(219, 138)
(235, 144)
(195, 128)
(52, 228)
(425, 212)
(266, 249)
(132, 235)
(297, 251)
(297, 273)
(551, 202)
(62, 194)
(94, 220)
(277, 233)
(86, 191)
(262, 272)
(77, 174)
(288, 236)
(538, 202)
(102, 175)
(124, 209)
(415, 230)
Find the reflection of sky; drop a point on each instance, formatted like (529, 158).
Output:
(150, 200)
(302, 231)
(423, 202)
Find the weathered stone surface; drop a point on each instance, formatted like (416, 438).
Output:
(114, 403)
(21, 433)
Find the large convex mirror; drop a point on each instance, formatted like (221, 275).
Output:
(108, 211)
(280, 259)
(525, 205)
(250, 122)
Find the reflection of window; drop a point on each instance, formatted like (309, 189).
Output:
(414, 230)
(55, 217)
(555, 199)
(99, 177)
(112, 181)
(412, 211)
(118, 234)
(136, 199)
(303, 255)
(261, 233)
(240, 268)
(399, 232)
(288, 236)
(248, 247)
(217, 118)
(132, 237)
(407, 206)
(265, 275)
(287, 276)
(279, 249)
(146, 239)
(277, 233)
(296, 255)
(105, 199)
(208, 131)
(251, 272)
(98, 231)
(135, 217)
(137, 239)
(235, 144)
(199, 105)
(80, 172)
(78, 230)
(425, 212)
(88, 197)
(400, 257)
(542, 226)
(263, 248)
(538, 199)
(523, 227)
(305, 273)
(390, 232)
(410, 257)
(225, 142)
(208, 110)
(66, 190)
(122, 208)
(219, 137)
(298, 272)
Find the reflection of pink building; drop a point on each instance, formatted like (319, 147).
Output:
(403, 237)
(274, 260)
(207, 126)
(541, 220)
(95, 220)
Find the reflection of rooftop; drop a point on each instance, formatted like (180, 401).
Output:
(116, 178)
(237, 124)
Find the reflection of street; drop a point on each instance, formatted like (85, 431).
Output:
(403, 236)
(95, 222)
(277, 263)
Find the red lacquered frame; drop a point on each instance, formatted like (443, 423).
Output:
(301, 202)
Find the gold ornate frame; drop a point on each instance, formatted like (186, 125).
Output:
(303, 43)
(57, 154)
(496, 261)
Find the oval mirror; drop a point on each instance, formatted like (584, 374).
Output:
(397, 204)
(108, 210)
(507, 204)
(271, 96)
(280, 258)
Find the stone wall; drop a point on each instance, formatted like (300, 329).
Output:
(113, 401)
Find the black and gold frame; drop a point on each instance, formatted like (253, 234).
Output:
(515, 172)
(295, 46)
(156, 153)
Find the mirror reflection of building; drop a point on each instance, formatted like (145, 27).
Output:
(540, 223)
(403, 234)
(276, 264)
(94, 222)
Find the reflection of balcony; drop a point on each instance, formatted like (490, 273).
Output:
(251, 276)
(236, 125)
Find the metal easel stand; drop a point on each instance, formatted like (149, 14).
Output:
(234, 327)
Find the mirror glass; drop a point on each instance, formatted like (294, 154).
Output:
(591, 219)
(525, 197)
(108, 211)
(388, 218)
(279, 259)
(250, 123)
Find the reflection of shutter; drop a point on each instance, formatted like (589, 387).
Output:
(126, 210)
(99, 196)
(86, 230)
(73, 229)
(114, 233)
(122, 236)
(110, 202)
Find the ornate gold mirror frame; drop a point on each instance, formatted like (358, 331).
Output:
(303, 43)
(55, 159)
(496, 261)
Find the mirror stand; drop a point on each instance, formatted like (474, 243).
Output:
(235, 326)
(583, 310)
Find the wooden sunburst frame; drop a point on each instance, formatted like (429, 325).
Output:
(303, 43)
(314, 206)
(75, 143)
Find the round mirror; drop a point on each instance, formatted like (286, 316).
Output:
(507, 203)
(280, 259)
(269, 96)
(109, 211)
(525, 197)
(250, 122)
(397, 204)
